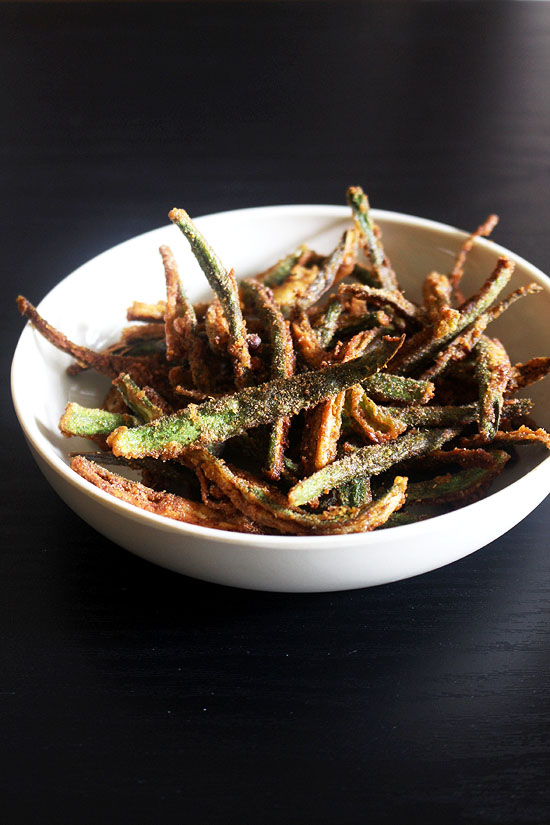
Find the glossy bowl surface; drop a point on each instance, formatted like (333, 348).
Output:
(89, 307)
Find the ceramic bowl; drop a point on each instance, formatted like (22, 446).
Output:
(250, 240)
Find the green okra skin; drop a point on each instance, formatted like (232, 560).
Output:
(360, 207)
(355, 493)
(270, 508)
(328, 324)
(426, 344)
(446, 416)
(370, 460)
(88, 422)
(137, 399)
(493, 369)
(282, 364)
(282, 269)
(222, 282)
(386, 387)
(454, 487)
(327, 273)
(222, 418)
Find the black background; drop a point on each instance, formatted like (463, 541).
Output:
(131, 694)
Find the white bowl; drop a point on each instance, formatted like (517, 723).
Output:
(89, 306)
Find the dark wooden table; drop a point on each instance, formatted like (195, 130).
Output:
(130, 694)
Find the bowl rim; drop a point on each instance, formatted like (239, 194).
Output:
(38, 443)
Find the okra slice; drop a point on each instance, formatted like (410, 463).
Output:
(137, 399)
(89, 422)
(385, 387)
(326, 328)
(458, 269)
(523, 435)
(436, 295)
(445, 416)
(178, 307)
(282, 269)
(492, 372)
(375, 423)
(429, 341)
(266, 506)
(141, 311)
(370, 460)
(160, 503)
(283, 361)
(337, 266)
(360, 207)
(222, 418)
(355, 493)
(381, 297)
(467, 484)
(224, 285)
(523, 375)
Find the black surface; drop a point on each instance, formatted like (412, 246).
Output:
(131, 694)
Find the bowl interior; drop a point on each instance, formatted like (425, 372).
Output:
(89, 306)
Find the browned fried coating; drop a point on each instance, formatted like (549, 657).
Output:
(140, 311)
(160, 503)
(458, 269)
(523, 435)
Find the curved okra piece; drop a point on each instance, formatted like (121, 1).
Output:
(222, 418)
(492, 373)
(224, 285)
(446, 416)
(382, 297)
(268, 507)
(375, 423)
(458, 269)
(137, 399)
(277, 273)
(385, 387)
(106, 363)
(467, 484)
(436, 295)
(370, 460)
(178, 307)
(283, 361)
(160, 503)
(338, 265)
(523, 435)
(523, 375)
(432, 339)
(323, 425)
(89, 422)
(326, 328)
(382, 269)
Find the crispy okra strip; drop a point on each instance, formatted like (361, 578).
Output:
(436, 294)
(89, 422)
(429, 341)
(492, 372)
(523, 375)
(105, 363)
(446, 416)
(265, 505)
(224, 285)
(322, 429)
(137, 399)
(375, 423)
(458, 269)
(178, 307)
(160, 503)
(381, 297)
(359, 204)
(276, 274)
(370, 460)
(467, 484)
(222, 418)
(326, 328)
(336, 266)
(140, 311)
(385, 387)
(523, 435)
(355, 493)
(283, 361)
